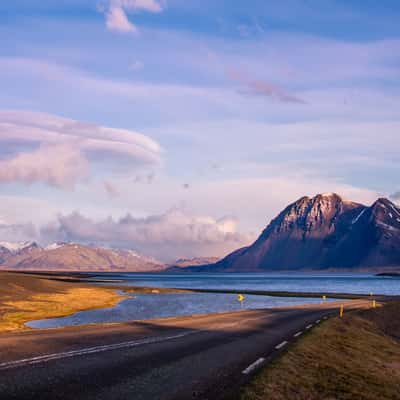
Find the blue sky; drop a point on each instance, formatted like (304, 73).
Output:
(199, 119)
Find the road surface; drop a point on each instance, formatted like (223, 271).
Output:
(198, 357)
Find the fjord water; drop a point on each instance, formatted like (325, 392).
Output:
(360, 283)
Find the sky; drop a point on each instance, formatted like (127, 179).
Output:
(179, 128)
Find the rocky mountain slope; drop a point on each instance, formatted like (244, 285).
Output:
(322, 232)
(73, 257)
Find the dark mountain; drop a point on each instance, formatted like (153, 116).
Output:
(320, 233)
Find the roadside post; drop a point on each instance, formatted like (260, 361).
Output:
(240, 299)
(341, 311)
(374, 303)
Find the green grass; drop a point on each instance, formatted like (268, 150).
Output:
(357, 357)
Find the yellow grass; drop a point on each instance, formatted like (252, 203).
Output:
(25, 298)
(47, 305)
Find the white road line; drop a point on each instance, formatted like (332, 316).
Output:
(280, 345)
(89, 350)
(325, 317)
(317, 321)
(309, 326)
(253, 366)
(298, 334)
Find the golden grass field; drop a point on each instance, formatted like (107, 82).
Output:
(28, 297)
(356, 357)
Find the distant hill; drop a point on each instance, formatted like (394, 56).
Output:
(318, 233)
(73, 257)
(183, 263)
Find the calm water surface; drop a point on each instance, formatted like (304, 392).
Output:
(335, 283)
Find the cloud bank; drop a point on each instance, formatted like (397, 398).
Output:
(167, 236)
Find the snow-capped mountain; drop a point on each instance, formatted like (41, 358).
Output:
(15, 247)
(322, 232)
(9, 249)
(74, 257)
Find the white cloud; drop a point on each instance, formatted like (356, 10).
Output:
(63, 148)
(168, 236)
(117, 20)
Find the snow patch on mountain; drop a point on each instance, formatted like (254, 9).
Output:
(17, 246)
(54, 246)
(358, 216)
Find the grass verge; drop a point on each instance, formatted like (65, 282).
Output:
(357, 357)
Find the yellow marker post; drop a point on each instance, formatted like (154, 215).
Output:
(373, 303)
(341, 311)
(240, 299)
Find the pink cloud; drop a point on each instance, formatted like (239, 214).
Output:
(57, 165)
(65, 147)
(117, 19)
(262, 88)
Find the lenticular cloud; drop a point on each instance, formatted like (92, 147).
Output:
(38, 147)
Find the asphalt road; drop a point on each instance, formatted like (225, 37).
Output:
(198, 357)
